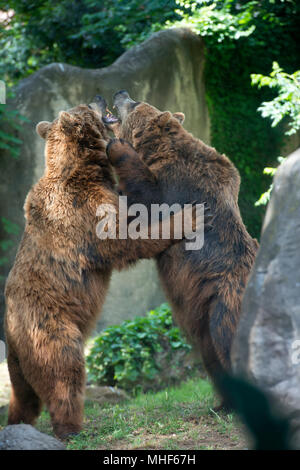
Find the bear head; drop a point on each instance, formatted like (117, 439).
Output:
(76, 137)
(136, 116)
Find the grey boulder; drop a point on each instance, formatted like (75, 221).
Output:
(26, 437)
(267, 346)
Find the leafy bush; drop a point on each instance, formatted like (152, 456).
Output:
(11, 230)
(285, 105)
(287, 102)
(38, 33)
(118, 25)
(145, 353)
(10, 121)
(85, 33)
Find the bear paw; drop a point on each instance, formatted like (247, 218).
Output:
(118, 150)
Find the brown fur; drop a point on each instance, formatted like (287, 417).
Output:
(204, 287)
(62, 270)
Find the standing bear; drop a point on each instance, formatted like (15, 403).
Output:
(61, 273)
(204, 287)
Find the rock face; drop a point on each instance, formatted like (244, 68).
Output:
(103, 394)
(167, 71)
(25, 437)
(267, 346)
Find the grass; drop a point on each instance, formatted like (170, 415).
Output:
(175, 418)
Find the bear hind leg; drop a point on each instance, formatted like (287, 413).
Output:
(66, 406)
(25, 405)
(217, 355)
(64, 394)
(222, 327)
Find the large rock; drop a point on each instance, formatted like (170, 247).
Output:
(105, 394)
(25, 437)
(167, 71)
(267, 346)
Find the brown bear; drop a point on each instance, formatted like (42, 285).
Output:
(204, 287)
(61, 273)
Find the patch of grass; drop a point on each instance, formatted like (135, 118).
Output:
(175, 418)
(3, 416)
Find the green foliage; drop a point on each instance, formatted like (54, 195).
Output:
(287, 102)
(234, 19)
(38, 33)
(119, 25)
(11, 229)
(10, 121)
(215, 19)
(265, 197)
(85, 33)
(285, 105)
(126, 354)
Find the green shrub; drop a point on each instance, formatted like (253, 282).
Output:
(145, 353)
(85, 33)
(287, 102)
(285, 106)
(10, 122)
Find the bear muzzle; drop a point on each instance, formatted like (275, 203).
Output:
(123, 103)
(99, 104)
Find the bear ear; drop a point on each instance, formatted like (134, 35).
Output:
(66, 120)
(162, 119)
(42, 128)
(179, 116)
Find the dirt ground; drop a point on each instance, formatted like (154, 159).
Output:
(203, 433)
